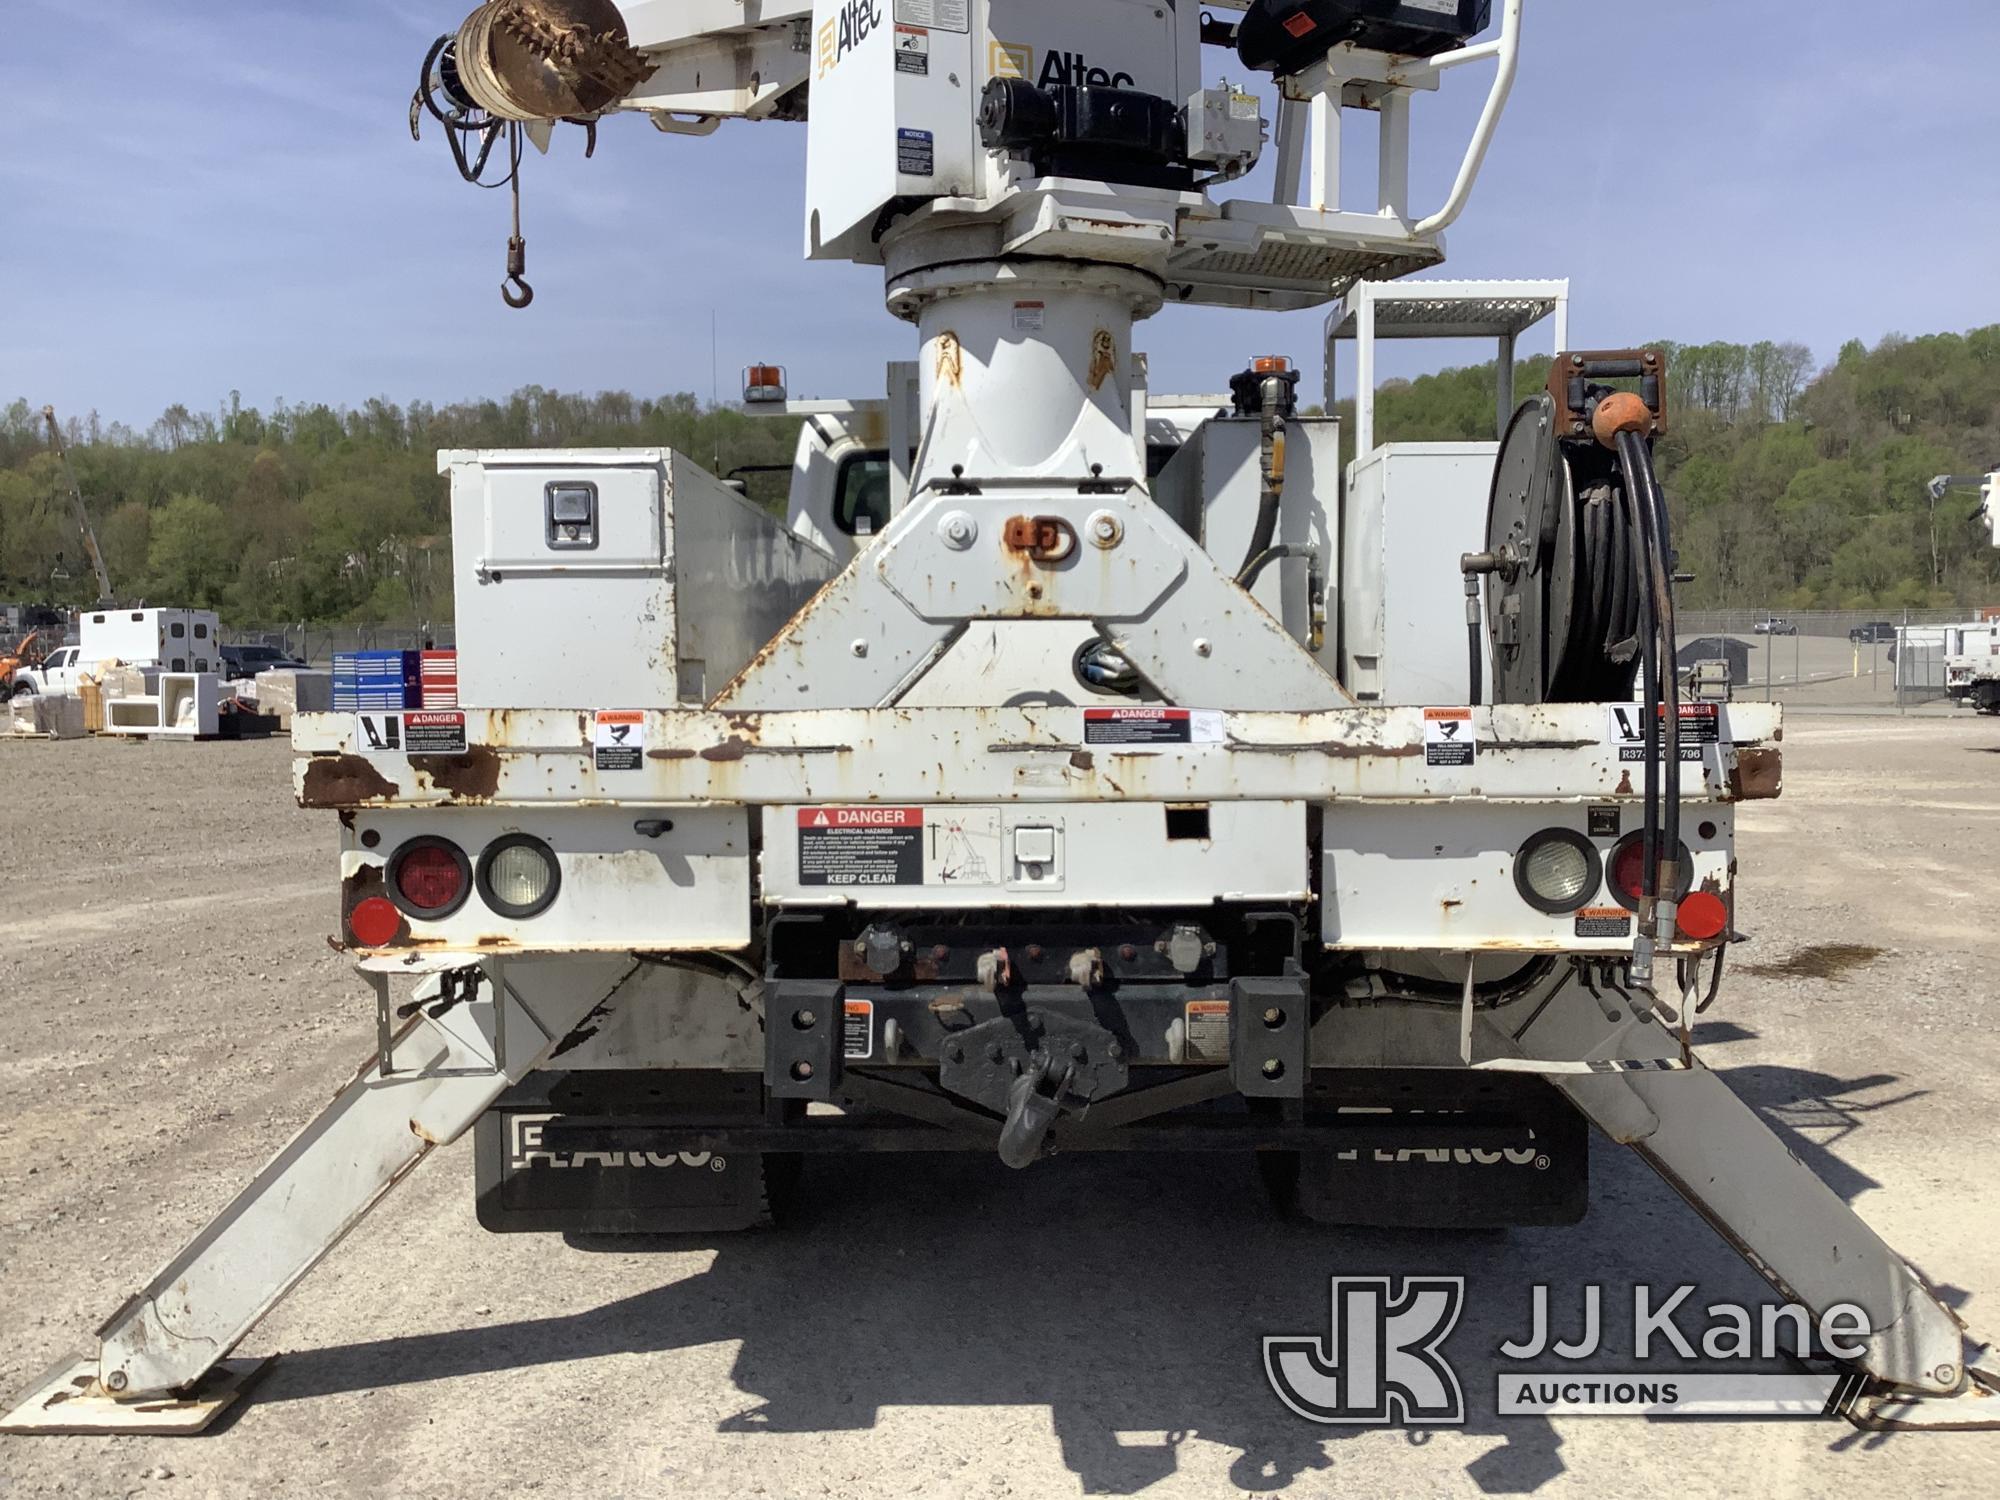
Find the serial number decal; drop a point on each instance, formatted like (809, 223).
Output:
(1701, 724)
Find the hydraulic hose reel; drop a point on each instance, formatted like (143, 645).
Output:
(1579, 571)
(1569, 586)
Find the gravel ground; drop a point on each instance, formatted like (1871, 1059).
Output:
(937, 1326)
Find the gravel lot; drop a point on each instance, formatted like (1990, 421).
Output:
(934, 1326)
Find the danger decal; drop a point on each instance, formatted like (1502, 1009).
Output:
(846, 846)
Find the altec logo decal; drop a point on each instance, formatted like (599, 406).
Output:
(1380, 1360)
(1072, 69)
(857, 21)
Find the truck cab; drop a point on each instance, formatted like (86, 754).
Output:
(59, 674)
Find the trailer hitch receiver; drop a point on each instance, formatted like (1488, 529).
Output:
(1032, 1068)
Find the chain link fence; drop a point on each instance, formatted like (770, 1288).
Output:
(1837, 661)
(316, 645)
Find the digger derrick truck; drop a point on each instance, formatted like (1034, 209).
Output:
(1353, 820)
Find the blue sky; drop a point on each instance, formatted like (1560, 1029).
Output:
(222, 194)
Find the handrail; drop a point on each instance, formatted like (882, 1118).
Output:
(1507, 47)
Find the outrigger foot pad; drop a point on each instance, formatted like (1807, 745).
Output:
(69, 1399)
(1974, 1407)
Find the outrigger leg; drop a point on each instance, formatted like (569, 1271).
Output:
(470, 1034)
(1637, 1079)
(1796, 1232)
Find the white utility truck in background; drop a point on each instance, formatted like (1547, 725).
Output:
(1972, 652)
(174, 640)
(1075, 801)
(1972, 665)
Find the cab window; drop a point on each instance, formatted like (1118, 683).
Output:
(861, 493)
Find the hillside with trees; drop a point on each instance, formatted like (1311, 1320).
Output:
(1793, 488)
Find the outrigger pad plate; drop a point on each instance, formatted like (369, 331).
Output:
(68, 1400)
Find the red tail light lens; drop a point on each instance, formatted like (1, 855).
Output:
(374, 923)
(429, 878)
(1703, 916)
(1627, 870)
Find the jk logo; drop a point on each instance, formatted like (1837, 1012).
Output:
(1380, 1360)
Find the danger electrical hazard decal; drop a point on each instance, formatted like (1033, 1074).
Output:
(1449, 738)
(618, 739)
(1152, 726)
(1701, 724)
(861, 846)
(936, 846)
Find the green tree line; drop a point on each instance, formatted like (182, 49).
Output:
(1791, 488)
(1794, 489)
(305, 513)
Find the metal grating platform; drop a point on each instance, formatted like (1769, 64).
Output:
(1452, 309)
(1244, 262)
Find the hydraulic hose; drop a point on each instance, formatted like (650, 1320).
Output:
(1646, 501)
(1271, 461)
(1638, 505)
(1670, 677)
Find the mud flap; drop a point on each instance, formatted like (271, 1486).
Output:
(541, 1172)
(1495, 1156)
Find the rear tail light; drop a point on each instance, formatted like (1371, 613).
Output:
(1627, 868)
(374, 922)
(429, 878)
(1702, 916)
(1557, 870)
(519, 876)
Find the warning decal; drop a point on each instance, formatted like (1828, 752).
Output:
(945, 15)
(618, 739)
(1604, 922)
(857, 1034)
(1701, 724)
(1152, 726)
(436, 732)
(913, 50)
(1449, 738)
(861, 846)
(1208, 1031)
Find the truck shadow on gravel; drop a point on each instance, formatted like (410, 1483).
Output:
(1129, 1295)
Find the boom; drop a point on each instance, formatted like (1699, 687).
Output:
(77, 510)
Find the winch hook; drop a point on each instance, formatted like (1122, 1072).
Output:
(514, 290)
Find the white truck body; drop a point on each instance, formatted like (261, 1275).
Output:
(1076, 805)
(171, 640)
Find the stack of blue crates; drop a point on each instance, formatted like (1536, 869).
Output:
(381, 681)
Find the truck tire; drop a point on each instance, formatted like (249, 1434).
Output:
(24, 690)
